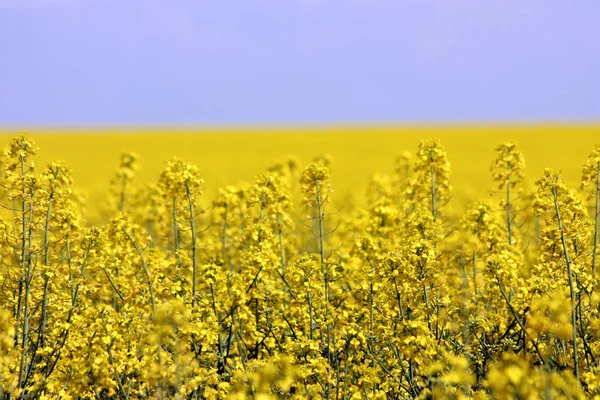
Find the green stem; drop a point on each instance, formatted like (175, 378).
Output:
(571, 286)
(26, 263)
(325, 281)
(516, 317)
(74, 297)
(122, 197)
(113, 285)
(371, 298)
(194, 247)
(399, 298)
(44, 317)
(596, 221)
(425, 295)
(44, 321)
(221, 360)
(282, 261)
(146, 270)
(433, 196)
(224, 237)
(508, 207)
(475, 273)
(175, 234)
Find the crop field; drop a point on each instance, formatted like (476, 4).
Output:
(231, 156)
(336, 263)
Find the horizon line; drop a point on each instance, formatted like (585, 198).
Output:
(270, 126)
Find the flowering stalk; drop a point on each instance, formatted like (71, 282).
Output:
(21, 185)
(508, 216)
(27, 237)
(127, 169)
(182, 180)
(596, 220)
(175, 233)
(570, 274)
(561, 207)
(432, 171)
(91, 240)
(591, 179)
(145, 267)
(508, 170)
(194, 247)
(316, 188)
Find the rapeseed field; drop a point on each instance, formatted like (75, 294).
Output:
(232, 155)
(345, 263)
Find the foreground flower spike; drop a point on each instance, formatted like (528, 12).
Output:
(508, 169)
(590, 184)
(567, 218)
(20, 189)
(397, 291)
(432, 171)
(180, 183)
(316, 189)
(121, 182)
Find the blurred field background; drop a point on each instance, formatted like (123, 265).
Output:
(228, 156)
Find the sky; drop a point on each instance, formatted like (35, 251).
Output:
(87, 62)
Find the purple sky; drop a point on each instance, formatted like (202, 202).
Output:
(297, 61)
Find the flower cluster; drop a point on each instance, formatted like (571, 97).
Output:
(163, 294)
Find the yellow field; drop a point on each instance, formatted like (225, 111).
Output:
(227, 156)
(299, 284)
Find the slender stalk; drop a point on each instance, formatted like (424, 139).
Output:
(516, 317)
(224, 237)
(26, 263)
(475, 272)
(44, 321)
(122, 194)
(44, 316)
(22, 281)
(476, 234)
(371, 299)
(325, 281)
(74, 297)
(17, 314)
(113, 285)
(321, 230)
(425, 296)
(150, 221)
(433, 196)
(194, 247)
(175, 233)
(282, 261)
(508, 207)
(571, 286)
(221, 360)
(310, 315)
(258, 234)
(146, 270)
(399, 298)
(596, 221)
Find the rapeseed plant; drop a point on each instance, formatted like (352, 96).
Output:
(272, 291)
(508, 169)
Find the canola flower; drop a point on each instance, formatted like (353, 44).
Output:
(270, 290)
